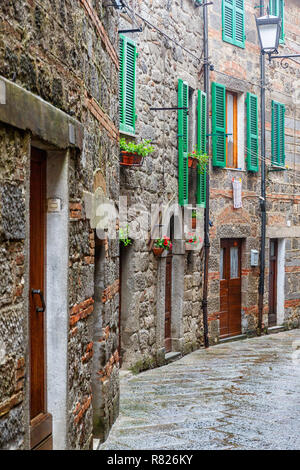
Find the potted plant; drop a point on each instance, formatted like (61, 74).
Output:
(123, 236)
(193, 240)
(162, 244)
(132, 154)
(197, 159)
(194, 219)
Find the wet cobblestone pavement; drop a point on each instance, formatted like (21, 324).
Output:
(238, 395)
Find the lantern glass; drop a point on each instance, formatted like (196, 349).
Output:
(269, 29)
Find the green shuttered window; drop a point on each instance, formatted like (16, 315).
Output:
(218, 124)
(183, 101)
(278, 150)
(201, 144)
(252, 132)
(233, 22)
(127, 76)
(277, 9)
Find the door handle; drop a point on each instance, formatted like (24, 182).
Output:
(40, 293)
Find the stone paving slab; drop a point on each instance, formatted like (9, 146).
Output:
(238, 395)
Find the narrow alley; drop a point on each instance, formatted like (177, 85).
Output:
(237, 395)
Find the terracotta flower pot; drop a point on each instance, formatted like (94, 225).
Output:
(158, 251)
(194, 223)
(192, 162)
(130, 159)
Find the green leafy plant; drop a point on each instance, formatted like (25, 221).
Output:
(164, 243)
(123, 236)
(143, 148)
(202, 158)
(195, 214)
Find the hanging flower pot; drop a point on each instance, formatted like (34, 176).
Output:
(157, 251)
(132, 154)
(130, 159)
(192, 162)
(162, 244)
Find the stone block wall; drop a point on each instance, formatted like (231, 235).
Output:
(65, 52)
(160, 64)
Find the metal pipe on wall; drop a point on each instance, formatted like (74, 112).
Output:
(206, 213)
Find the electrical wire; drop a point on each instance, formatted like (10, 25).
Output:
(161, 32)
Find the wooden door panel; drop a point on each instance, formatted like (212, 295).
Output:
(230, 291)
(40, 421)
(168, 303)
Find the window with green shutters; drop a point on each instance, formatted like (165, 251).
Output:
(252, 132)
(201, 144)
(277, 9)
(127, 76)
(233, 22)
(278, 124)
(183, 138)
(218, 124)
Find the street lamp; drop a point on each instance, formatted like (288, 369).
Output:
(269, 29)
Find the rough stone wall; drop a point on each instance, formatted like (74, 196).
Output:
(13, 163)
(65, 52)
(238, 69)
(160, 64)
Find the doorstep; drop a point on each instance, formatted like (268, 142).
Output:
(276, 329)
(172, 356)
(232, 338)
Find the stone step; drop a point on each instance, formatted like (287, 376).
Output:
(232, 338)
(172, 356)
(276, 329)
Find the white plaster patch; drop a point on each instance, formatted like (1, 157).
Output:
(2, 92)
(2, 352)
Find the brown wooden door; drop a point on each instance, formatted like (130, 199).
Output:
(168, 303)
(40, 421)
(273, 283)
(230, 288)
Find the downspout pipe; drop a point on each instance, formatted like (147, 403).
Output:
(263, 186)
(206, 212)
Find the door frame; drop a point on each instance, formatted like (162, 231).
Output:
(228, 241)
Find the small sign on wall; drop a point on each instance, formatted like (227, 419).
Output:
(54, 205)
(254, 257)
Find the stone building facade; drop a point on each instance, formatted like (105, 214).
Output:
(169, 50)
(171, 31)
(58, 139)
(238, 70)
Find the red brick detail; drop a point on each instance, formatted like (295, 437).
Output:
(75, 210)
(101, 117)
(10, 403)
(105, 373)
(89, 352)
(214, 276)
(100, 30)
(292, 303)
(81, 311)
(292, 269)
(81, 409)
(110, 291)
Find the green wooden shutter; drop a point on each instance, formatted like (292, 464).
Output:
(252, 132)
(183, 101)
(239, 23)
(122, 81)
(233, 22)
(201, 144)
(218, 124)
(128, 56)
(277, 9)
(278, 139)
(227, 20)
